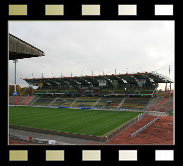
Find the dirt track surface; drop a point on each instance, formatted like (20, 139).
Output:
(159, 133)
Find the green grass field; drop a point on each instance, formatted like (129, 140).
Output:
(89, 122)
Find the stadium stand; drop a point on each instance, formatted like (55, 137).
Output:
(44, 101)
(147, 104)
(161, 102)
(108, 102)
(22, 100)
(107, 85)
(17, 97)
(135, 103)
(54, 91)
(105, 91)
(154, 103)
(147, 91)
(169, 106)
(122, 91)
(27, 100)
(85, 102)
(63, 102)
(166, 105)
(12, 100)
(103, 103)
(114, 102)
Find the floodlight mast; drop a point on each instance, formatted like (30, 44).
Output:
(15, 61)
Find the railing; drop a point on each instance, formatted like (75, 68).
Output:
(125, 126)
(146, 108)
(35, 100)
(144, 127)
(141, 116)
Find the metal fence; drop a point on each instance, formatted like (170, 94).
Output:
(144, 127)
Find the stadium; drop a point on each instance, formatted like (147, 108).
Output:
(107, 109)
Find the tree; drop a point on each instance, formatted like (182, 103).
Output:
(19, 90)
(11, 89)
(25, 91)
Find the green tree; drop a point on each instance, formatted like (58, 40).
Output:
(11, 89)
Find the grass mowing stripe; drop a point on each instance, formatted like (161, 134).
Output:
(90, 122)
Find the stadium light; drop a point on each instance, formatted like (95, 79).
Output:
(15, 62)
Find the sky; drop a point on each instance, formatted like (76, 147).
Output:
(83, 47)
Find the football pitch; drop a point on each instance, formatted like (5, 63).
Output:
(88, 122)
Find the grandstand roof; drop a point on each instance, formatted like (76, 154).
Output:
(93, 80)
(19, 49)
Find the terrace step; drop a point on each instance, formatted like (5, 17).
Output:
(32, 99)
(17, 97)
(74, 101)
(160, 104)
(149, 103)
(35, 100)
(53, 101)
(27, 100)
(96, 102)
(121, 103)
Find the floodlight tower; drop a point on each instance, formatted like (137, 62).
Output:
(15, 62)
(168, 89)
